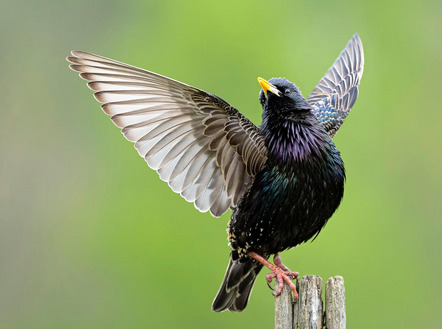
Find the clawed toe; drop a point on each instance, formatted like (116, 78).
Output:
(279, 271)
(269, 279)
(293, 275)
(282, 276)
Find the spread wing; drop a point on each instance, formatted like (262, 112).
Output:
(204, 148)
(334, 96)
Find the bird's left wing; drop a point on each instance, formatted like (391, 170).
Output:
(203, 147)
(334, 96)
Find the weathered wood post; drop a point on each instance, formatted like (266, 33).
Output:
(310, 303)
(335, 303)
(285, 315)
(308, 311)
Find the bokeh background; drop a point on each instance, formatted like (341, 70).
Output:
(91, 238)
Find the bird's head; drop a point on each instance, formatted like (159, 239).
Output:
(279, 95)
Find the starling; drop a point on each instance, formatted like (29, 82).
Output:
(283, 179)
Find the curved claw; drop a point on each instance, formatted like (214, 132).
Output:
(281, 276)
(269, 278)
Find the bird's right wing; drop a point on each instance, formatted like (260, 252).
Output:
(203, 147)
(334, 96)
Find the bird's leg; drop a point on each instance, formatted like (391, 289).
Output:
(278, 262)
(278, 272)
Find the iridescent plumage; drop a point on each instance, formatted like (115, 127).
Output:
(283, 180)
(291, 198)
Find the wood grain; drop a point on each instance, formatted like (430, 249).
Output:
(335, 303)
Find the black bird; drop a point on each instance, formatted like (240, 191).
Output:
(283, 179)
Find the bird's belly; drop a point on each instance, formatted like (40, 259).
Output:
(283, 209)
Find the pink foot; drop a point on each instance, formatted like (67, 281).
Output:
(278, 262)
(280, 272)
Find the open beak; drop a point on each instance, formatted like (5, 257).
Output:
(267, 86)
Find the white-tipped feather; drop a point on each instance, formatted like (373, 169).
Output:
(121, 86)
(188, 157)
(139, 130)
(156, 160)
(166, 171)
(124, 120)
(168, 136)
(144, 146)
(122, 96)
(194, 190)
(139, 104)
(110, 77)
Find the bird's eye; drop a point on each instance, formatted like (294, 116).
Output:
(287, 92)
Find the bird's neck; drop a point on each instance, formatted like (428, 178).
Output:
(294, 138)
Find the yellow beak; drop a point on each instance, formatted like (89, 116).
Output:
(267, 86)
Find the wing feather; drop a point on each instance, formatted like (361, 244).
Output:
(336, 93)
(204, 148)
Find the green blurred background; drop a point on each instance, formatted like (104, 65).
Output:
(91, 238)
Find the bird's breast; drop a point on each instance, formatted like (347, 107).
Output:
(294, 143)
(293, 196)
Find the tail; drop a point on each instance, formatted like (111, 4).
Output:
(236, 287)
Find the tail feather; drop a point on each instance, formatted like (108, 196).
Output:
(244, 291)
(237, 285)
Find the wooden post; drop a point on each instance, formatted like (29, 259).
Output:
(283, 307)
(310, 303)
(335, 303)
(307, 312)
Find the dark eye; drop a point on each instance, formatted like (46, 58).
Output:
(287, 92)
